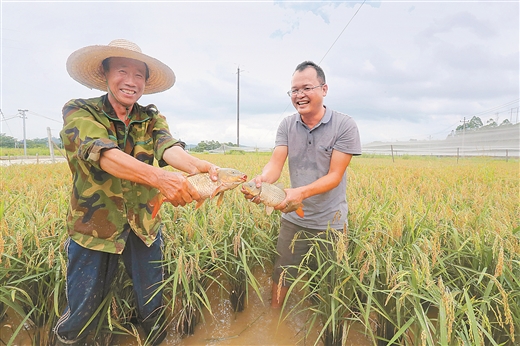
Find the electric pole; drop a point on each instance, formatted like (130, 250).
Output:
(238, 106)
(51, 147)
(23, 116)
(463, 131)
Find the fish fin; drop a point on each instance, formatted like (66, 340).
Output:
(299, 212)
(156, 203)
(199, 203)
(216, 191)
(220, 198)
(279, 185)
(269, 210)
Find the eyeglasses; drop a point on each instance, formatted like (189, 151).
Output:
(305, 91)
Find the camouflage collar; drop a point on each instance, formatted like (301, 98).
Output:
(137, 114)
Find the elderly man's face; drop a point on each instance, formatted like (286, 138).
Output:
(126, 79)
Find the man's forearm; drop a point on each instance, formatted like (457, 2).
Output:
(177, 158)
(273, 169)
(124, 166)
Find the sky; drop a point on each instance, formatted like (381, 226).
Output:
(401, 69)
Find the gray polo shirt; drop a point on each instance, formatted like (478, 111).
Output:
(309, 154)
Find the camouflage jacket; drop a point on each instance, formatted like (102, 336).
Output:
(103, 208)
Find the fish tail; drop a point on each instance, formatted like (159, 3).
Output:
(199, 203)
(156, 203)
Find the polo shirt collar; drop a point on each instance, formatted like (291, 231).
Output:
(325, 119)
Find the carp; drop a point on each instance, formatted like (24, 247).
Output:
(228, 179)
(270, 195)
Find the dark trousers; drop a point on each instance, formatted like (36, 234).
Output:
(294, 242)
(90, 274)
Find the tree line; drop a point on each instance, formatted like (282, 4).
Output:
(210, 145)
(11, 142)
(476, 123)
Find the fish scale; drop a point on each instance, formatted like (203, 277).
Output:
(228, 178)
(270, 195)
(203, 184)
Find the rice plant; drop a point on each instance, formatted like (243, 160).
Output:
(431, 255)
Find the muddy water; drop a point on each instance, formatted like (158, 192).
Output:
(258, 324)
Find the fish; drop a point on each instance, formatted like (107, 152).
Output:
(271, 195)
(228, 179)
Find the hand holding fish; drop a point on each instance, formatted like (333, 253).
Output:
(206, 187)
(252, 190)
(213, 172)
(292, 202)
(176, 189)
(273, 196)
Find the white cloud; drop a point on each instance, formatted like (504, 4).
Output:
(399, 70)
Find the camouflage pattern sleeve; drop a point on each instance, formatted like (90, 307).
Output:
(83, 135)
(162, 136)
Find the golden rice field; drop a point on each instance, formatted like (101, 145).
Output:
(431, 255)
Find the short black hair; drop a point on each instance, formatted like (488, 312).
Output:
(106, 66)
(319, 71)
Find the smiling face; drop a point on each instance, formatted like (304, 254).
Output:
(126, 79)
(309, 104)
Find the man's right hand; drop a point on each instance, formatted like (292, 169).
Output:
(176, 189)
(258, 184)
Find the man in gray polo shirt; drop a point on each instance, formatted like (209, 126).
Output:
(319, 144)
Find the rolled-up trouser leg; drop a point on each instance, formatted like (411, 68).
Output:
(89, 276)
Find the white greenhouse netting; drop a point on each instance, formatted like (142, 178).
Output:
(501, 141)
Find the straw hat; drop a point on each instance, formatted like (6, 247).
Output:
(84, 66)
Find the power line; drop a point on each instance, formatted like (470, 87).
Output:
(10, 117)
(6, 124)
(341, 33)
(43, 116)
(497, 107)
(333, 43)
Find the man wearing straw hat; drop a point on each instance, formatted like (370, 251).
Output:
(111, 142)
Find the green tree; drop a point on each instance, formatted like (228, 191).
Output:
(206, 145)
(474, 124)
(7, 141)
(491, 123)
(37, 143)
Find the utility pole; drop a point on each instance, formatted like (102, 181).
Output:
(23, 116)
(463, 132)
(238, 106)
(51, 147)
